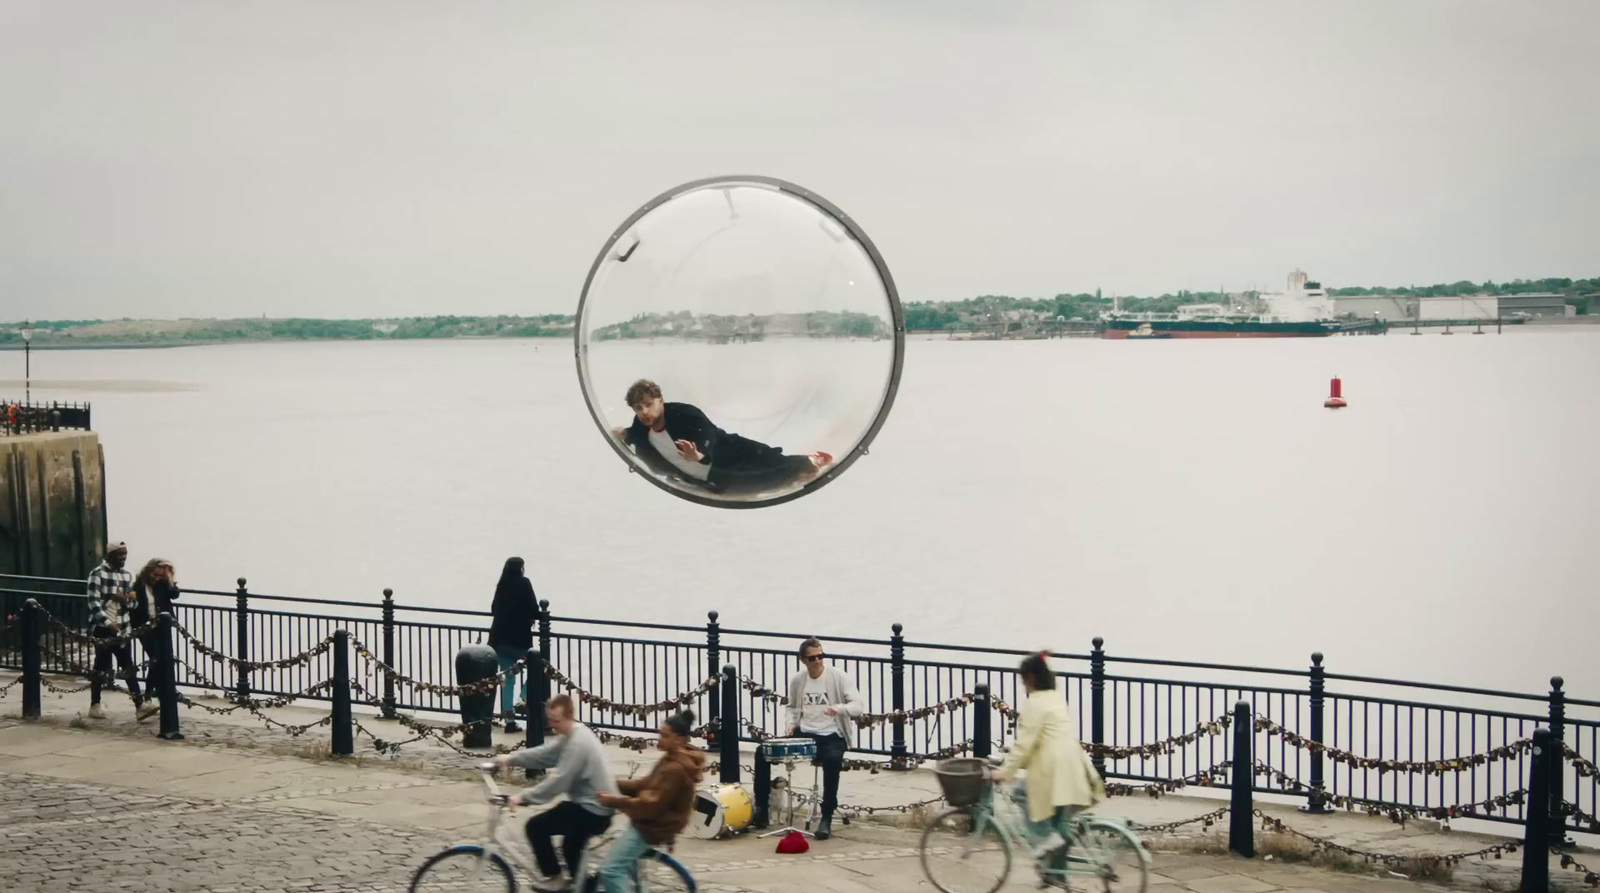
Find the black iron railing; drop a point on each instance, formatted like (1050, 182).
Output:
(1335, 739)
(21, 417)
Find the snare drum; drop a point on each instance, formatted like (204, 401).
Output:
(720, 812)
(777, 750)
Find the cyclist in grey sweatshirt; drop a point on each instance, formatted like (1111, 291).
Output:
(581, 772)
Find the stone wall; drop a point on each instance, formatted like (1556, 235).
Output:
(52, 504)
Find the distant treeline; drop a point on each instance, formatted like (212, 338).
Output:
(920, 316)
(817, 324)
(203, 331)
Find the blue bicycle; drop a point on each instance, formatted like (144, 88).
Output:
(967, 848)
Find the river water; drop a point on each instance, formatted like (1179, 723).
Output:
(1183, 499)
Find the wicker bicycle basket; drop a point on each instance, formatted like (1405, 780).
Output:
(962, 780)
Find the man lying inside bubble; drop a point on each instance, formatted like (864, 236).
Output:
(678, 440)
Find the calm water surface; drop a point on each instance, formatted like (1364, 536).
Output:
(1182, 499)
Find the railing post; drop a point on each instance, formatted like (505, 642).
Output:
(1241, 811)
(388, 653)
(1316, 797)
(55, 420)
(167, 678)
(1556, 762)
(713, 662)
(544, 630)
(1536, 833)
(241, 617)
(538, 686)
(344, 739)
(980, 720)
(898, 757)
(729, 722)
(1097, 703)
(761, 815)
(32, 660)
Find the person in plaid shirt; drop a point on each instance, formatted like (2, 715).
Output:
(110, 593)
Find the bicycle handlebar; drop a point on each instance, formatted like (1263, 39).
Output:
(487, 771)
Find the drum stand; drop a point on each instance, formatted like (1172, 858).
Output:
(788, 798)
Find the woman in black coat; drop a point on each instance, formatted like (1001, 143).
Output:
(511, 632)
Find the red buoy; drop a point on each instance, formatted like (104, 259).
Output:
(1335, 394)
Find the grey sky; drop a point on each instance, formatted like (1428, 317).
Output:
(362, 159)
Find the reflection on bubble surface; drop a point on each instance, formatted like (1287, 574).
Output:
(769, 326)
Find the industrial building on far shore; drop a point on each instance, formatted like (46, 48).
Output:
(1399, 308)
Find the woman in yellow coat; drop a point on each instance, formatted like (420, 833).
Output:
(1061, 781)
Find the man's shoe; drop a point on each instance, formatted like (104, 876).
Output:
(97, 711)
(825, 828)
(513, 727)
(151, 708)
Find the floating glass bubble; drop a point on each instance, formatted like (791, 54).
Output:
(739, 341)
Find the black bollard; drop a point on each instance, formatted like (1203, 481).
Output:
(476, 662)
(1536, 831)
(344, 737)
(980, 720)
(167, 678)
(729, 721)
(1241, 812)
(32, 660)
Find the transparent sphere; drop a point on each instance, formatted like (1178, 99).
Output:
(739, 341)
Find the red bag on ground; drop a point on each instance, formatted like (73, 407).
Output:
(793, 842)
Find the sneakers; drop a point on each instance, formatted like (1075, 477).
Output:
(550, 884)
(150, 708)
(1049, 845)
(97, 711)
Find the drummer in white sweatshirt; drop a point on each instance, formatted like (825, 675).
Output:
(823, 705)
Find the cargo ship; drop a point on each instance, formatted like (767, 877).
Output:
(1216, 328)
(1303, 311)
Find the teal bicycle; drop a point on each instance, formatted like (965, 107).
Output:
(967, 848)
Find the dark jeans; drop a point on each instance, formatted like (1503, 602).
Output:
(104, 650)
(830, 756)
(151, 642)
(574, 824)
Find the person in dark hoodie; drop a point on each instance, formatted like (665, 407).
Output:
(153, 593)
(678, 440)
(511, 632)
(657, 806)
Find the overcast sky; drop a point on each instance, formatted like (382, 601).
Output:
(385, 158)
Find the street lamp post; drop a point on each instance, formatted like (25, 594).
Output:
(27, 363)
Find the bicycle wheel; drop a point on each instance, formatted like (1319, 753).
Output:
(1117, 861)
(657, 871)
(464, 868)
(964, 854)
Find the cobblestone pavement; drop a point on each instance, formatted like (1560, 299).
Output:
(57, 835)
(238, 808)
